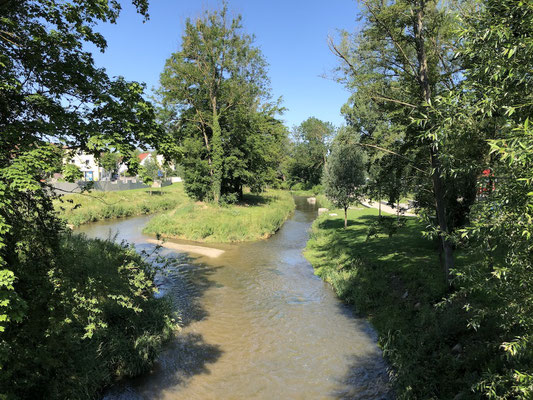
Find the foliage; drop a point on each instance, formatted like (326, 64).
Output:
(344, 173)
(497, 286)
(308, 152)
(78, 209)
(214, 94)
(149, 173)
(109, 161)
(51, 92)
(72, 173)
(94, 319)
(258, 217)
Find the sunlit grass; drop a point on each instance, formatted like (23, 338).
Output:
(78, 209)
(256, 218)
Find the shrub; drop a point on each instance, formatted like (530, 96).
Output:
(95, 320)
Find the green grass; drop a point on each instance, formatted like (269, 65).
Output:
(340, 256)
(78, 209)
(398, 284)
(258, 217)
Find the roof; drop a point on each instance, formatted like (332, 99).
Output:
(142, 156)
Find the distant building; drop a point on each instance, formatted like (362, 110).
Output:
(87, 164)
(144, 158)
(159, 159)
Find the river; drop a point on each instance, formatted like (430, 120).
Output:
(257, 324)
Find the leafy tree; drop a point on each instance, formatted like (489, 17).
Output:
(397, 65)
(212, 93)
(134, 164)
(344, 174)
(497, 50)
(149, 173)
(72, 173)
(109, 161)
(309, 151)
(51, 91)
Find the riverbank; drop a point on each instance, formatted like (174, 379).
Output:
(93, 321)
(257, 217)
(397, 283)
(78, 209)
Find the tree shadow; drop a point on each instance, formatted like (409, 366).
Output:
(366, 379)
(251, 199)
(188, 355)
(185, 283)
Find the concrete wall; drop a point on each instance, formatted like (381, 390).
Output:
(104, 186)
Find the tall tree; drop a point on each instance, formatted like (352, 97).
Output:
(211, 91)
(399, 62)
(309, 151)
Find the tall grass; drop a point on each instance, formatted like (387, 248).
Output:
(78, 209)
(256, 218)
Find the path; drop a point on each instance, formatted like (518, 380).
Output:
(386, 208)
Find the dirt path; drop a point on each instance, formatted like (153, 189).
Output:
(386, 208)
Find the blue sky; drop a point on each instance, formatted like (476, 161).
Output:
(292, 35)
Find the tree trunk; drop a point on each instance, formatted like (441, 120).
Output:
(379, 201)
(438, 186)
(345, 217)
(218, 155)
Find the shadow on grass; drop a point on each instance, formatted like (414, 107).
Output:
(406, 258)
(366, 378)
(258, 199)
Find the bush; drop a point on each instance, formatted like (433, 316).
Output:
(95, 320)
(317, 189)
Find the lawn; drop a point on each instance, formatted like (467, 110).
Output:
(78, 209)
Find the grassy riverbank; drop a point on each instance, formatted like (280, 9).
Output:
(92, 321)
(78, 209)
(398, 284)
(258, 217)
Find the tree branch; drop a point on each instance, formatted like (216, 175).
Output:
(381, 97)
(393, 153)
(398, 46)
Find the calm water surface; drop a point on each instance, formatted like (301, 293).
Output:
(258, 324)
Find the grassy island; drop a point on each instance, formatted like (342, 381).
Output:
(256, 217)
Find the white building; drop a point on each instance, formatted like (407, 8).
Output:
(87, 164)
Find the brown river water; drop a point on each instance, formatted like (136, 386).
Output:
(257, 324)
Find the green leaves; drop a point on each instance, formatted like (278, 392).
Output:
(215, 106)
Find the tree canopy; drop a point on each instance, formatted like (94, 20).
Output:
(344, 174)
(51, 95)
(214, 94)
(311, 140)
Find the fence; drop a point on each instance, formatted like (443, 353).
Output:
(104, 186)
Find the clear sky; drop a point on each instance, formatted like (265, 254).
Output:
(292, 35)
